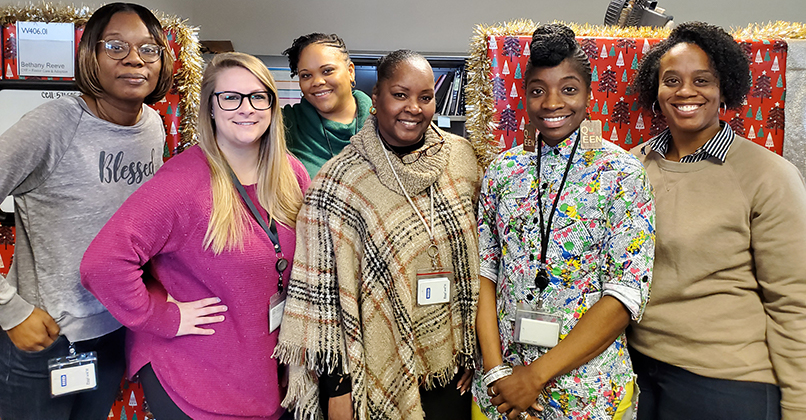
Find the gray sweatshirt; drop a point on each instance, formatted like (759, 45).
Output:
(68, 171)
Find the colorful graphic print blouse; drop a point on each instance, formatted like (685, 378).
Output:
(602, 242)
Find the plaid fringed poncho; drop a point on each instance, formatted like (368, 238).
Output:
(352, 294)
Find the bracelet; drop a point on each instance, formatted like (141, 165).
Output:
(496, 373)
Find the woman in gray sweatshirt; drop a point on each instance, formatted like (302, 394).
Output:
(69, 164)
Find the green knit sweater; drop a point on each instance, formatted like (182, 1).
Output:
(305, 132)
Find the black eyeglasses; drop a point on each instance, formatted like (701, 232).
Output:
(230, 101)
(429, 151)
(118, 50)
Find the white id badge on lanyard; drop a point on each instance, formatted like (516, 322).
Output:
(537, 327)
(434, 287)
(74, 373)
(276, 308)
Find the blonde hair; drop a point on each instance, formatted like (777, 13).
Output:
(277, 187)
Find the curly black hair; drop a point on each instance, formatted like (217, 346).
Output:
(388, 64)
(300, 43)
(729, 61)
(552, 44)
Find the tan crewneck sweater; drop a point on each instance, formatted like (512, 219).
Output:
(728, 297)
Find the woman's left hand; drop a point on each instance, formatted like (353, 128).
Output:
(517, 392)
(465, 381)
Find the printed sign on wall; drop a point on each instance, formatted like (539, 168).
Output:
(45, 49)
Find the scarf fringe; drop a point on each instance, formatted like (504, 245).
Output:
(315, 361)
(303, 394)
(443, 377)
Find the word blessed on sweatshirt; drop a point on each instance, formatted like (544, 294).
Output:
(115, 168)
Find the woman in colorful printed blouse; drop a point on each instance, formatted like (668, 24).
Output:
(331, 111)
(724, 336)
(382, 300)
(566, 241)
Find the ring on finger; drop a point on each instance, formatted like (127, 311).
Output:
(523, 415)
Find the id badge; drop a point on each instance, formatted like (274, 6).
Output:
(276, 308)
(73, 374)
(434, 287)
(537, 327)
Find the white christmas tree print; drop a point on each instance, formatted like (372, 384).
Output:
(502, 144)
(173, 131)
(769, 144)
(640, 123)
(614, 135)
(645, 48)
(9, 73)
(506, 68)
(526, 51)
(132, 400)
(752, 133)
(514, 92)
(523, 124)
(604, 52)
(493, 44)
(775, 66)
(758, 59)
(620, 60)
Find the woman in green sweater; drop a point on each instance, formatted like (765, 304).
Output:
(330, 111)
(724, 333)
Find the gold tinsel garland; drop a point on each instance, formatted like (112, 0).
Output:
(187, 79)
(479, 92)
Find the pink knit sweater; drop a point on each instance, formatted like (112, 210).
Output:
(229, 374)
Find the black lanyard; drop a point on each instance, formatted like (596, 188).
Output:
(542, 277)
(282, 263)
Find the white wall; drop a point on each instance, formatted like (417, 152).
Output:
(267, 27)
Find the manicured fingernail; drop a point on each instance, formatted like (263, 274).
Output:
(217, 300)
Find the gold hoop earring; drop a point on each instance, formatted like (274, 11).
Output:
(372, 110)
(655, 113)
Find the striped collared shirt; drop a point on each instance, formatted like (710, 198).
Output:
(717, 147)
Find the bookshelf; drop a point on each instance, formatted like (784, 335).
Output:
(446, 68)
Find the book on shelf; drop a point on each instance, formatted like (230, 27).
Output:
(441, 94)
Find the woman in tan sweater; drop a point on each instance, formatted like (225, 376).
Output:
(724, 334)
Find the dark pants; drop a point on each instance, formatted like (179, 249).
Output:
(25, 380)
(671, 393)
(159, 403)
(438, 403)
(446, 403)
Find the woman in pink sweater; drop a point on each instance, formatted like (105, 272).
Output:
(193, 271)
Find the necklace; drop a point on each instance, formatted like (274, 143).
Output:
(433, 251)
(324, 130)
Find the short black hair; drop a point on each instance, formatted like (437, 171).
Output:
(554, 43)
(727, 57)
(389, 63)
(300, 43)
